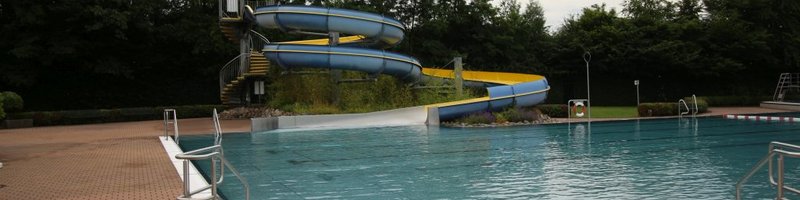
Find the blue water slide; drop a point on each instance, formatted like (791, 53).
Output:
(379, 32)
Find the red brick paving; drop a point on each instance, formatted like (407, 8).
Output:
(100, 161)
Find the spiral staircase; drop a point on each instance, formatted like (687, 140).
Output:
(236, 76)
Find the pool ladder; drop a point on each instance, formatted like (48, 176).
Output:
(218, 164)
(781, 150)
(683, 102)
(171, 118)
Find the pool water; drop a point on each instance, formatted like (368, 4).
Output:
(640, 159)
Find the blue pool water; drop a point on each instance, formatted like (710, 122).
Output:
(647, 159)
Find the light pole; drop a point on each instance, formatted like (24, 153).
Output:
(636, 83)
(588, 57)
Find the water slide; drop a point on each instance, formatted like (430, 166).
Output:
(363, 51)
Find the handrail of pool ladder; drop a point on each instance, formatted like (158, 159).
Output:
(680, 114)
(174, 121)
(696, 110)
(216, 155)
(781, 150)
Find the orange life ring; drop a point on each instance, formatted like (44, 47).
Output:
(575, 109)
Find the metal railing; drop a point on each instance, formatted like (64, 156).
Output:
(257, 4)
(174, 121)
(257, 41)
(685, 105)
(231, 8)
(775, 148)
(216, 155)
(233, 70)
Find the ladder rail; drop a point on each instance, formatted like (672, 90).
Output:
(169, 112)
(219, 164)
(781, 150)
(680, 114)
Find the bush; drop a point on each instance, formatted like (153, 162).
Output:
(2, 113)
(12, 102)
(477, 118)
(702, 104)
(734, 100)
(657, 109)
(554, 110)
(47, 118)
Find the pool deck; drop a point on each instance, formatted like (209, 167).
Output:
(117, 160)
(98, 161)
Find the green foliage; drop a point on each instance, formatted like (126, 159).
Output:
(554, 110)
(102, 54)
(735, 100)
(2, 111)
(48, 118)
(319, 94)
(11, 101)
(477, 118)
(702, 104)
(658, 109)
(668, 108)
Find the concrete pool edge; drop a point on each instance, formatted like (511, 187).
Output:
(196, 180)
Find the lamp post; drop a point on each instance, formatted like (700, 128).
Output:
(636, 83)
(588, 57)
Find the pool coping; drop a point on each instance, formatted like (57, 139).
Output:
(196, 179)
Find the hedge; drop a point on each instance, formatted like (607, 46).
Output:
(12, 102)
(669, 108)
(554, 110)
(735, 100)
(47, 118)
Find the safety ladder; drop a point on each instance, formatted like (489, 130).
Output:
(171, 118)
(786, 82)
(219, 164)
(781, 150)
(688, 110)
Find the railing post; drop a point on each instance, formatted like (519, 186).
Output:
(186, 187)
(214, 176)
(175, 126)
(780, 177)
(166, 135)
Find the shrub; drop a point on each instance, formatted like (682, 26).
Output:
(12, 102)
(702, 104)
(2, 113)
(554, 110)
(46, 118)
(657, 109)
(734, 100)
(477, 118)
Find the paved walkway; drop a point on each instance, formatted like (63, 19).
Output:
(112, 161)
(100, 161)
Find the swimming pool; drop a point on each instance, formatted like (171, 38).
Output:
(640, 159)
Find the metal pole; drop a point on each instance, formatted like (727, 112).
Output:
(213, 177)
(186, 189)
(588, 57)
(166, 135)
(780, 177)
(636, 82)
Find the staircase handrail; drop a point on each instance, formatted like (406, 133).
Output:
(257, 41)
(231, 70)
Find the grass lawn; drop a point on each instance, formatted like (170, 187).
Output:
(612, 112)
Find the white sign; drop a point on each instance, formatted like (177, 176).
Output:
(635, 82)
(259, 87)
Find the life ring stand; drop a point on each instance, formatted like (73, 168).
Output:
(575, 109)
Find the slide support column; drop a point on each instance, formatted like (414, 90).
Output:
(459, 79)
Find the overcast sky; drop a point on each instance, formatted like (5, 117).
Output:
(555, 11)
